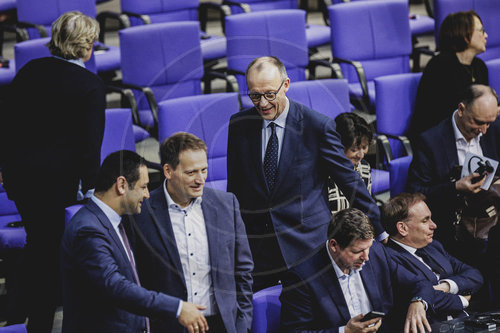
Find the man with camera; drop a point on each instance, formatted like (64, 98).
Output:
(438, 154)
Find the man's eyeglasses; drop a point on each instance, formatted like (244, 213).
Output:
(269, 96)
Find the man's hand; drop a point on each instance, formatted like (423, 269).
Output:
(385, 241)
(467, 297)
(355, 325)
(416, 321)
(192, 318)
(443, 286)
(465, 184)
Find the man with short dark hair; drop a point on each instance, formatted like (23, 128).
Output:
(101, 289)
(279, 159)
(335, 288)
(408, 221)
(192, 243)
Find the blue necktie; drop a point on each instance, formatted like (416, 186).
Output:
(271, 158)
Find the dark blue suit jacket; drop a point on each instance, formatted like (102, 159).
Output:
(298, 206)
(100, 293)
(467, 278)
(230, 258)
(434, 156)
(312, 299)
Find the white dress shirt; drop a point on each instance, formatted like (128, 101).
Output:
(279, 128)
(192, 243)
(463, 146)
(353, 289)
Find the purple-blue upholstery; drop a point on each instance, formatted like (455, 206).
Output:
(35, 48)
(8, 73)
(380, 181)
(376, 33)
(396, 95)
(165, 57)
(10, 238)
(488, 10)
(45, 12)
(118, 132)
(316, 35)
(278, 33)
(207, 117)
(329, 97)
(398, 169)
(7, 5)
(494, 73)
(17, 328)
(220, 184)
(70, 211)
(161, 11)
(266, 310)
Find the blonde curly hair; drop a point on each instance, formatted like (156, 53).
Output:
(73, 35)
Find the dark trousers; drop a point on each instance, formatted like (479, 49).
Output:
(215, 324)
(40, 271)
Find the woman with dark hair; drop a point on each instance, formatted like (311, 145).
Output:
(461, 39)
(356, 136)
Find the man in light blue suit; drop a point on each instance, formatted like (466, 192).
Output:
(279, 159)
(191, 243)
(101, 289)
(409, 223)
(350, 276)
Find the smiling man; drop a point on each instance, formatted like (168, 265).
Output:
(191, 243)
(409, 223)
(280, 156)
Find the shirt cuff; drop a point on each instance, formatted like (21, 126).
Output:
(382, 236)
(453, 286)
(465, 302)
(179, 309)
(341, 329)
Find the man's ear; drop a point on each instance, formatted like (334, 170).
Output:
(120, 185)
(461, 109)
(332, 244)
(167, 171)
(402, 228)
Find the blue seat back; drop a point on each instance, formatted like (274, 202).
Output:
(165, 56)
(47, 11)
(8, 210)
(376, 33)
(396, 96)
(488, 10)
(160, 11)
(279, 33)
(207, 117)
(35, 48)
(398, 172)
(118, 132)
(264, 5)
(329, 97)
(494, 73)
(70, 211)
(17, 328)
(266, 310)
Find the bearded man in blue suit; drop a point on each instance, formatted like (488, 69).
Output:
(279, 159)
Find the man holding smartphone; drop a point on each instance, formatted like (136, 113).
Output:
(337, 287)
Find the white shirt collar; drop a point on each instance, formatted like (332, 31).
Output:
(172, 204)
(338, 271)
(78, 62)
(110, 213)
(281, 120)
(408, 248)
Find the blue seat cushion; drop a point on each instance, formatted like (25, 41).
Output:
(380, 181)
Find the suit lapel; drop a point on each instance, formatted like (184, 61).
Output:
(254, 135)
(291, 140)
(113, 235)
(162, 222)
(213, 230)
(331, 283)
(369, 277)
(448, 138)
(417, 263)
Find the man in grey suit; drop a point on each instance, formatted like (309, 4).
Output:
(191, 242)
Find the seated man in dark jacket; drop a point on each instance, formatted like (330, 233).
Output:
(352, 275)
(408, 221)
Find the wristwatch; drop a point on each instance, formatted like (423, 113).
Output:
(416, 299)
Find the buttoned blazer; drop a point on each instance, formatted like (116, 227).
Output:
(312, 299)
(434, 156)
(298, 205)
(230, 258)
(467, 278)
(100, 293)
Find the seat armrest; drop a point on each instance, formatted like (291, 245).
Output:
(334, 67)
(223, 10)
(144, 18)
(22, 34)
(404, 141)
(361, 77)
(122, 19)
(244, 6)
(383, 151)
